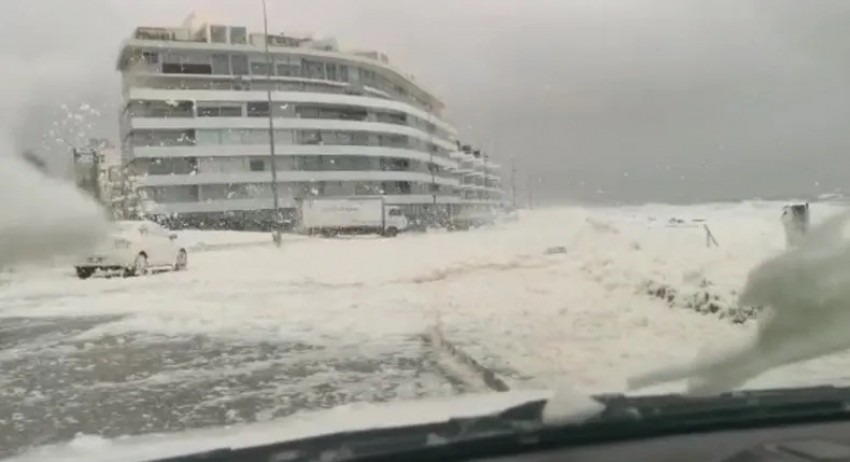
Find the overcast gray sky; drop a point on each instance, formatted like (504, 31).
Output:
(603, 100)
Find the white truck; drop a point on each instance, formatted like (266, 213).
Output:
(351, 216)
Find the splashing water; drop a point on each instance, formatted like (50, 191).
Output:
(806, 295)
(42, 217)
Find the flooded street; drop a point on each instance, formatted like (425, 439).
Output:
(55, 387)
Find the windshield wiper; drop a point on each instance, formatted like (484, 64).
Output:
(521, 429)
(745, 408)
(362, 443)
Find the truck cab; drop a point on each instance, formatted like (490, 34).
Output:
(394, 221)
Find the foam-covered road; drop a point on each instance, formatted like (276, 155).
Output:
(252, 332)
(123, 384)
(83, 360)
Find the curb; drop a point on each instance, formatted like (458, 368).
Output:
(225, 246)
(700, 300)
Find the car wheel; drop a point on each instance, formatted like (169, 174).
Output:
(182, 261)
(140, 266)
(84, 272)
(392, 231)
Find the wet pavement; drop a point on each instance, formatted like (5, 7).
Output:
(54, 386)
(246, 334)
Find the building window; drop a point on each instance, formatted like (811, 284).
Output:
(239, 64)
(309, 137)
(255, 136)
(257, 165)
(172, 166)
(259, 68)
(144, 108)
(186, 68)
(171, 194)
(172, 57)
(313, 69)
(220, 64)
(258, 109)
(208, 137)
(218, 34)
(238, 35)
(310, 163)
(231, 111)
(213, 111)
(284, 137)
(283, 110)
(219, 110)
(393, 140)
(288, 70)
(233, 136)
(394, 164)
(163, 137)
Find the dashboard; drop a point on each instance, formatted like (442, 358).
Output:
(813, 442)
(777, 425)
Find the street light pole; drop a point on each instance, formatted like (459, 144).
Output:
(484, 157)
(276, 237)
(513, 181)
(431, 165)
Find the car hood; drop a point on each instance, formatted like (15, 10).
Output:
(340, 419)
(128, 234)
(107, 244)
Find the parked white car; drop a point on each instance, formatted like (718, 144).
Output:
(136, 248)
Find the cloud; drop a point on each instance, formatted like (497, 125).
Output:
(692, 99)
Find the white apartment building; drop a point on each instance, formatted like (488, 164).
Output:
(196, 137)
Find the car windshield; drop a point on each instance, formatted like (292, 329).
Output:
(359, 204)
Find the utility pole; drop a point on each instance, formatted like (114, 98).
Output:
(530, 186)
(431, 127)
(513, 181)
(276, 215)
(95, 174)
(433, 215)
(484, 157)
